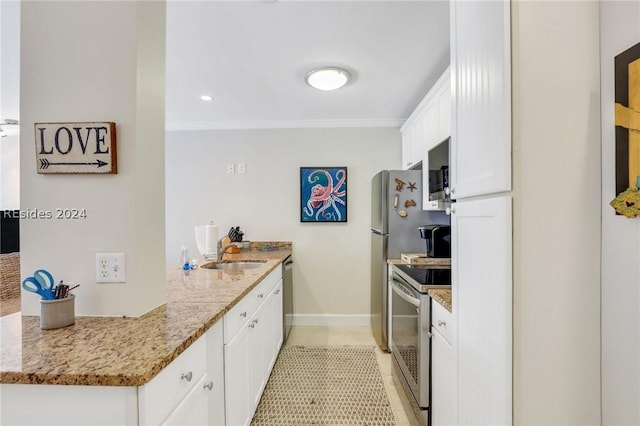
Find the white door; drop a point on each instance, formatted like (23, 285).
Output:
(481, 98)
(482, 303)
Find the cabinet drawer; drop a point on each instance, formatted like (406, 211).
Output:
(237, 316)
(240, 313)
(165, 391)
(442, 320)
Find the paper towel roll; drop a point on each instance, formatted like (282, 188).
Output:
(211, 240)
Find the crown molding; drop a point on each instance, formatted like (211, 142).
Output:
(280, 124)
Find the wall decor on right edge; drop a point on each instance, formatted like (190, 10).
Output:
(323, 194)
(627, 122)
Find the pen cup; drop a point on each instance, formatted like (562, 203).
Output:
(57, 313)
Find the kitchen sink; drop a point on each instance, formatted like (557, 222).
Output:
(234, 264)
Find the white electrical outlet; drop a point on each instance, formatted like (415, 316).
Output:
(110, 268)
(231, 168)
(241, 168)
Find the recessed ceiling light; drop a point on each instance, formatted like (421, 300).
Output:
(329, 78)
(206, 98)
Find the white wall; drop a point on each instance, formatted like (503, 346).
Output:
(96, 61)
(620, 29)
(9, 59)
(9, 104)
(556, 141)
(10, 172)
(331, 260)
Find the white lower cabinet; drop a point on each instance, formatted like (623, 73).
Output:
(481, 278)
(443, 369)
(215, 374)
(236, 378)
(174, 385)
(250, 353)
(193, 409)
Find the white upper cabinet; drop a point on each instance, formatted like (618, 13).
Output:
(437, 112)
(412, 141)
(481, 98)
(436, 130)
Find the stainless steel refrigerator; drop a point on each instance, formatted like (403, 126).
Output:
(394, 230)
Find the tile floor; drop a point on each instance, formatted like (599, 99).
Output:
(355, 336)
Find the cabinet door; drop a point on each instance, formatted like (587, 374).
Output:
(193, 409)
(236, 379)
(407, 146)
(258, 337)
(417, 140)
(275, 326)
(482, 305)
(444, 108)
(443, 382)
(430, 126)
(481, 98)
(215, 374)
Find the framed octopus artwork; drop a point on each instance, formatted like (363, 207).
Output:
(323, 194)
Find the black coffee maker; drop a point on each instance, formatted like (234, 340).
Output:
(438, 239)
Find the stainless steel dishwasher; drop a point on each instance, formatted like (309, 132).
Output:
(287, 301)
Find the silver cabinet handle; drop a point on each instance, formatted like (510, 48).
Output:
(442, 323)
(188, 376)
(260, 296)
(255, 321)
(277, 291)
(252, 325)
(209, 385)
(243, 314)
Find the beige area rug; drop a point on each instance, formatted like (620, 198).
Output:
(325, 385)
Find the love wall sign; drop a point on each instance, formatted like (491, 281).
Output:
(82, 147)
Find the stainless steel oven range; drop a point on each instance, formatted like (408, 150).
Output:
(410, 331)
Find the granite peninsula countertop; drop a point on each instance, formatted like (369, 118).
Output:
(111, 351)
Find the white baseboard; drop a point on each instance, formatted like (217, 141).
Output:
(332, 320)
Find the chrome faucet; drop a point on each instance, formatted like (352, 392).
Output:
(227, 247)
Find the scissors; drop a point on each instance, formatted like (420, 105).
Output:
(41, 282)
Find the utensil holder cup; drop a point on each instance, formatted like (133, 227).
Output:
(57, 313)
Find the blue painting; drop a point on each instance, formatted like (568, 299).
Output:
(323, 194)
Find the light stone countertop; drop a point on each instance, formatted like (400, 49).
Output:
(111, 351)
(442, 296)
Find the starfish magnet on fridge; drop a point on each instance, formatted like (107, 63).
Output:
(412, 186)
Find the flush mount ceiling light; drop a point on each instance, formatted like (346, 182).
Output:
(329, 78)
(206, 98)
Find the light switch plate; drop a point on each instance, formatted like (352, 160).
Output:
(110, 268)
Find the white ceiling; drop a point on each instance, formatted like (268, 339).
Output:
(252, 57)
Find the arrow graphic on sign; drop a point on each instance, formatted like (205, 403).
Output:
(44, 164)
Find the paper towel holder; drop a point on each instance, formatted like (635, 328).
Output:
(207, 234)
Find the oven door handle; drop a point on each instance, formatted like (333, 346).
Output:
(400, 291)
